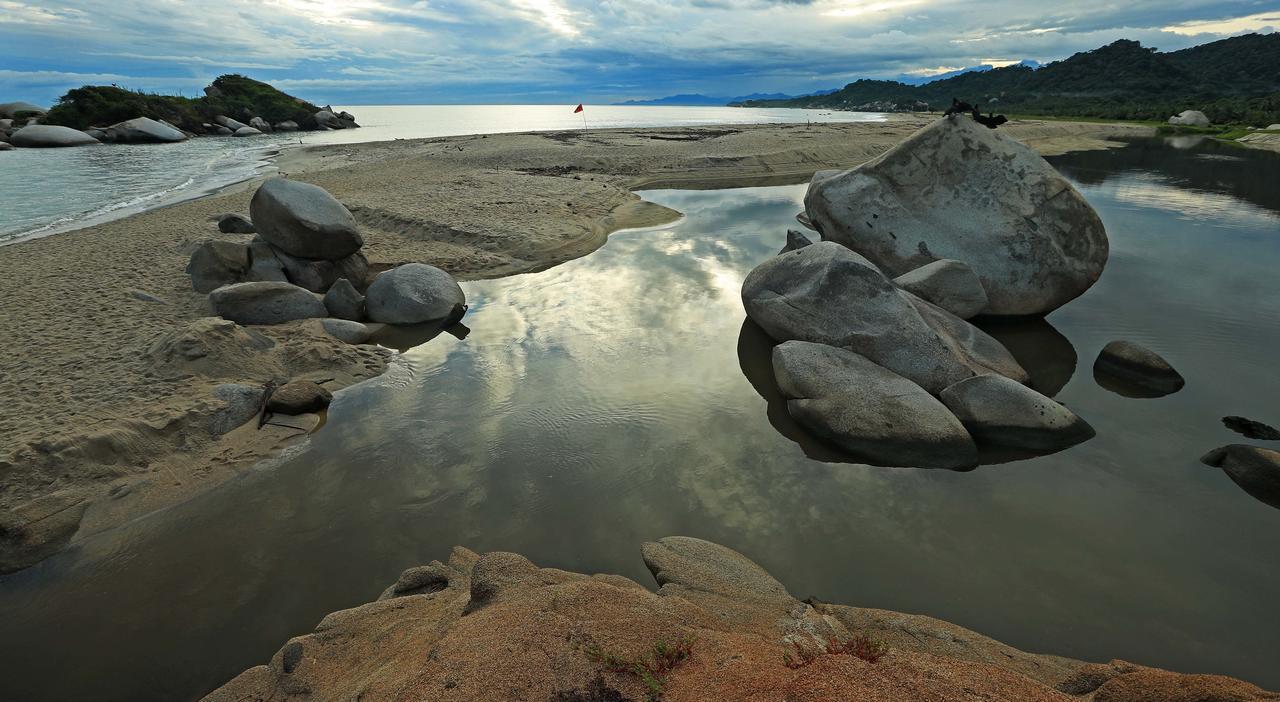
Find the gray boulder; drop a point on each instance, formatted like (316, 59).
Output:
(1004, 412)
(875, 414)
(827, 294)
(224, 131)
(235, 224)
(261, 125)
(795, 240)
(265, 303)
(1190, 118)
(415, 293)
(6, 146)
(217, 263)
(299, 397)
(346, 330)
(1274, 127)
(1139, 366)
(144, 130)
(242, 403)
(229, 123)
(6, 124)
(9, 110)
(957, 190)
(328, 120)
(303, 220)
(318, 274)
(1255, 469)
(344, 302)
(263, 264)
(951, 285)
(41, 136)
(246, 132)
(99, 134)
(287, 126)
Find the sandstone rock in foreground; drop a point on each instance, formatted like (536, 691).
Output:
(497, 627)
(957, 190)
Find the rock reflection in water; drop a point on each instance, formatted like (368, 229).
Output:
(1047, 355)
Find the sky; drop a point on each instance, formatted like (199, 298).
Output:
(360, 52)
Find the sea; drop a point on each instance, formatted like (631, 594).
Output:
(53, 190)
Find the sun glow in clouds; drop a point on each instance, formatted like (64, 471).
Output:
(550, 14)
(858, 8)
(1235, 25)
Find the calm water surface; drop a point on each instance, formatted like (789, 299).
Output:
(614, 399)
(50, 190)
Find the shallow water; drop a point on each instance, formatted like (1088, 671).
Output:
(610, 400)
(50, 190)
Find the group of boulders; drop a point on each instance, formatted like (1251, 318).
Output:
(876, 354)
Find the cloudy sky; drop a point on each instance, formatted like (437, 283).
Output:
(565, 51)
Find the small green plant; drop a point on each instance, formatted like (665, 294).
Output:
(861, 646)
(652, 669)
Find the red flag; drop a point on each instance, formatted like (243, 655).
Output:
(579, 109)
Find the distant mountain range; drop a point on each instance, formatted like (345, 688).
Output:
(1234, 80)
(921, 80)
(698, 100)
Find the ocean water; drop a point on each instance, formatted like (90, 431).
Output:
(622, 397)
(51, 190)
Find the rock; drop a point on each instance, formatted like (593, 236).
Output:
(299, 397)
(6, 146)
(318, 275)
(243, 403)
(1274, 127)
(1255, 469)
(344, 302)
(99, 134)
(1152, 685)
(261, 125)
(247, 132)
(229, 123)
(304, 221)
(415, 293)
(879, 416)
(217, 263)
(795, 240)
(145, 296)
(224, 131)
(1004, 412)
(40, 136)
(346, 330)
(235, 224)
(951, 285)
(38, 529)
(143, 130)
(6, 124)
(827, 294)
(346, 116)
(265, 303)
(327, 119)
(287, 126)
(1251, 429)
(957, 190)
(1190, 118)
(419, 581)
(1138, 365)
(10, 110)
(263, 264)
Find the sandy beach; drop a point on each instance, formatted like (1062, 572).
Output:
(106, 404)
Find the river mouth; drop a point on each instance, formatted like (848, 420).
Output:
(617, 399)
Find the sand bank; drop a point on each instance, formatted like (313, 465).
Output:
(106, 403)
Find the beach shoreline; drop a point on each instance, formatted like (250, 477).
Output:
(106, 423)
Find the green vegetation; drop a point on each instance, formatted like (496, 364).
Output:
(865, 647)
(1233, 81)
(653, 668)
(235, 96)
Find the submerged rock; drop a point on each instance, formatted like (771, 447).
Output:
(957, 190)
(1251, 429)
(879, 416)
(1255, 469)
(265, 303)
(299, 397)
(951, 285)
(344, 302)
(1137, 365)
(217, 263)
(235, 224)
(827, 294)
(144, 130)
(1003, 412)
(413, 294)
(304, 221)
(43, 136)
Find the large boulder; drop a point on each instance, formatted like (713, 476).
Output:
(261, 125)
(144, 130)
(413, 294)
(1190, 118)
(299, 397)
(1003, 412)
(5, 146)
(951, 285)
(263, 264)
(265, 303)
(1136, 365)
(42, 136)
(217, 263)
(957, 190)
(1256, 470)
(304, 220)
(328, 120)
(827, 294)
(9, 110)
(875, 414)
(318, 274)
(287, 126)
(242, 404)
(229, 123)
(246, 132)
(344, 302)
(235, 224)
(346, 330)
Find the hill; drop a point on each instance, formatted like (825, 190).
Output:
(698, 100)
(1234, 80)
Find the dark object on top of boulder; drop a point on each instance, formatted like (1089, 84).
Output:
(1255, 469)
(235, 224)
(1251, 429)
(795, 240)
(1140, 372)
(304, 220)
(990, 120)
(415, 293)
(957, 107)
(299, 397)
